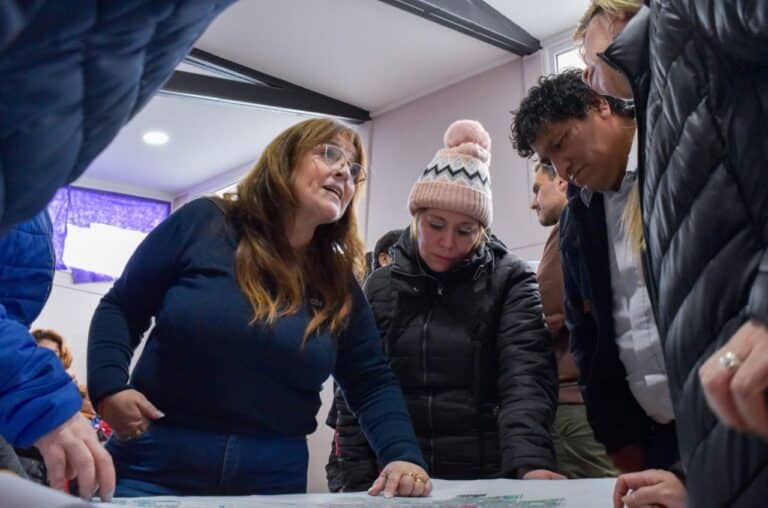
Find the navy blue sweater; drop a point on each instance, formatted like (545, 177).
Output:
(206, 368)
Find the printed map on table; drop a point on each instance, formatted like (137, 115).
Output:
(460, 501)
(20, 493)
(445, 494)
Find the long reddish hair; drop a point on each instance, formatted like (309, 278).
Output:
(275, 279)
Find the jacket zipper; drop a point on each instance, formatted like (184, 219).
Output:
(424, 351)
(424, 347)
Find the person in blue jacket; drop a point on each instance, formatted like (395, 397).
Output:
(255, 303)
(39, 403)
(71, 78)
(73, 73)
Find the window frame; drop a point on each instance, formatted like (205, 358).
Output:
(555, 46)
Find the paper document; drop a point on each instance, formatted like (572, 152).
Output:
(445, 494)
(16, 492)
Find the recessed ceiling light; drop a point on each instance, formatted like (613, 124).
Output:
(155, 137)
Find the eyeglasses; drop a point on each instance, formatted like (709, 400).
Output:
(336, 159)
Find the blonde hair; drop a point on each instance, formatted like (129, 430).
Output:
(632, 220)
(612, 8)
(276, 280)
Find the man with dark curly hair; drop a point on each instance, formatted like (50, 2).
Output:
(589, 138)
(697, 72)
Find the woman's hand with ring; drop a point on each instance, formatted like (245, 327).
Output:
(735, 379)
(400, 478)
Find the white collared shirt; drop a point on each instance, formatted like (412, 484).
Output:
(637, 336)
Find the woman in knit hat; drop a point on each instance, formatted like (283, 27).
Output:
(462, 326)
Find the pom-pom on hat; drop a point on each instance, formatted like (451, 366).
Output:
(457, 178)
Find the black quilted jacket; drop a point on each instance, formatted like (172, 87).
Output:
(700, 73)
(475, 363)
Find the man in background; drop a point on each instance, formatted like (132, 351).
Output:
(588, 139)
(578, 454)
(53, 123)
(381, 255)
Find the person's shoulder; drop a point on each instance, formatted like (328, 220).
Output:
(569, 227)
(377, 282)
(514, 263)
(502, 256)
(507, 264)
(198, 218)
(202, 209)
(203, 206)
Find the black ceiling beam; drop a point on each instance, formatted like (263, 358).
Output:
(245, 85)
(476, 19)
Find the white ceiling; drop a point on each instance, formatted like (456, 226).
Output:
(542, 19)
(206, 138)
(364, 52)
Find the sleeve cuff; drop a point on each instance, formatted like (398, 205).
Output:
(51, 412)
(97, 397)
(677, 470)
(405, 453)
(757, 307)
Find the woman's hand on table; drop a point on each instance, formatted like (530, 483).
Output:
(400, 478)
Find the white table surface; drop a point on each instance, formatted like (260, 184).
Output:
(17, 493)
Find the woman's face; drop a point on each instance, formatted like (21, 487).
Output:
(324, 189)
(600, 76)
(444, 238)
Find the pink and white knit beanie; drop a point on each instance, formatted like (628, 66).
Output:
(457, 179)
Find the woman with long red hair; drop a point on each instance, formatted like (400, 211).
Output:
(255, 303)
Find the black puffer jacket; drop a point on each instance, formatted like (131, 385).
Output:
(475, 363)
(703, 113)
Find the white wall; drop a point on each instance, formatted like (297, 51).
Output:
(68, 311)
(405, 140)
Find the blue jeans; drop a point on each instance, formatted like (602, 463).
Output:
(173, 461)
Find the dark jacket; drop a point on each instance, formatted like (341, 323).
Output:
(613, 412)
(551, 287)
(73, 73)
(36, 393)
(474, 360)
(700, 78)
